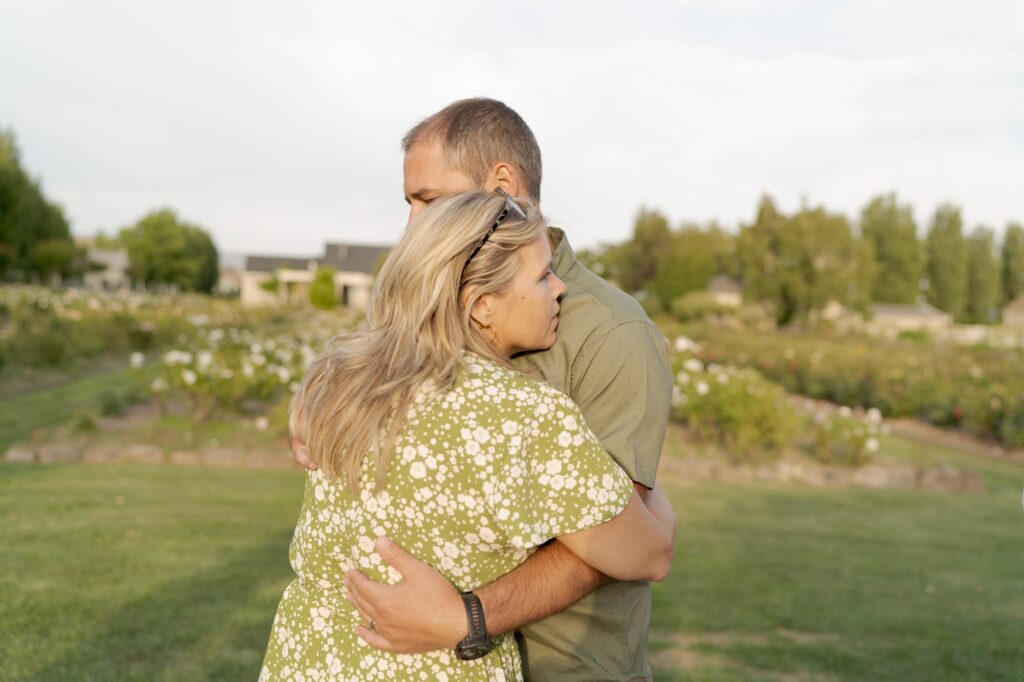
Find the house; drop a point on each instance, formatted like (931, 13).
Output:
(108, 270)
(284, 280)
(725, 291)
(891, 319)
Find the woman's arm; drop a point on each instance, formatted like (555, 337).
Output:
(638, 544)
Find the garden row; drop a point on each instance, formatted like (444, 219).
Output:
(62, 329)
(735, 410)
(978, 389)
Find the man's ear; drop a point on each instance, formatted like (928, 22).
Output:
(507, 177)
(482, 311)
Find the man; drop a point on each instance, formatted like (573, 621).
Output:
(575, 623)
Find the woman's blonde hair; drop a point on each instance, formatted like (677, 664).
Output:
(354, 397)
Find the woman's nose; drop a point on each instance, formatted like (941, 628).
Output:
(559, 288)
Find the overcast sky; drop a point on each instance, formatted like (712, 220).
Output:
(276, 125)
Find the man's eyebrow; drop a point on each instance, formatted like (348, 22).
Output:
(421, 195)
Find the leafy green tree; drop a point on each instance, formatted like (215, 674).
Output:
(201, 246)
(686, 265)
(984, 294)
(947, 261)
(164, 250)
(757, 248)
(890, 229)
(634, 263)
(802, 262)
(1013, 262)
(322, 293)
(26, 217)
(54, 257)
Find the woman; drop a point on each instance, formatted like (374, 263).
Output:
(424, 433)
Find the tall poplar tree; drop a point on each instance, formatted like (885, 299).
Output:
(983, 278)
(947, 261)
(1013, 262)
(890, 229)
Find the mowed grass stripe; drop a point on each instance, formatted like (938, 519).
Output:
(23, 414)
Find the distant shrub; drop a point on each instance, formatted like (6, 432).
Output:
(697, 305)
(83, 423)
(111, 403)
(918, 335)
(322, 293)
(735, 408)
(843, 439)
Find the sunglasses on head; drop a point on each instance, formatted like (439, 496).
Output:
(510, 206)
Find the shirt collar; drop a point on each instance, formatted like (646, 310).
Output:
(563, 258)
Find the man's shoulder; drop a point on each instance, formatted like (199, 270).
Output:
(604, 305)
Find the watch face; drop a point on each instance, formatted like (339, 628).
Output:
(468, 652)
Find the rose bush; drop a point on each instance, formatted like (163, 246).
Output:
(750, 417)
(979, 389)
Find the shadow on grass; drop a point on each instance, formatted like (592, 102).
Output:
(209, 625)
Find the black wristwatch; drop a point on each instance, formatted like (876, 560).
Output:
(477, 643)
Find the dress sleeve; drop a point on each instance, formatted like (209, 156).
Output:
(559, 480)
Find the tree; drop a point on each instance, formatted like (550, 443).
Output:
(800, 263)
(757, 248)
(892, 233)
(686, 265)
(26, 217)
(947, 261)
(164, 250)
(1013, 262)
(633, 263)
(984, 294)
(322, 293)
(54, 257)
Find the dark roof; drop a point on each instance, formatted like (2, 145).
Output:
(271, 263)
(353, 257)
(342, 257)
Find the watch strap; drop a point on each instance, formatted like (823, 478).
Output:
(477, 643)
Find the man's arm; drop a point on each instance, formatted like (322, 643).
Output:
(425, 613)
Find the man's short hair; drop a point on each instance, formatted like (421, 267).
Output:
(477, 133)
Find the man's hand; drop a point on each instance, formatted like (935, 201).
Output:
(422, 613)
(301, 454)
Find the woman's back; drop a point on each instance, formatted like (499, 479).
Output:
(481, 475)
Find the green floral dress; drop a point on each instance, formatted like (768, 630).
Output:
(482, 475)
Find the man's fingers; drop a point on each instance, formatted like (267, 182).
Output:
(375, 639)
(303, 457)
(301, 453)
(396, 557)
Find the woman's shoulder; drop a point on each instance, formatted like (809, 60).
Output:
(514, 387)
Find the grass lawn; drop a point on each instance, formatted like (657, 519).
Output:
(173, 573)
(23, 414)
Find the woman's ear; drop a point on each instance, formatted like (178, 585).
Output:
(482, 311)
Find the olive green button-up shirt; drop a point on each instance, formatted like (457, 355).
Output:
(613, 362)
